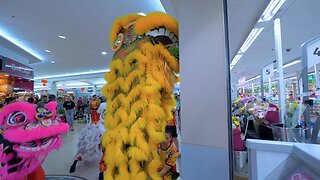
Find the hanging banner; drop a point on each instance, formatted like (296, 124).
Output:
(267, 71)
(242, 81)
(313, 53)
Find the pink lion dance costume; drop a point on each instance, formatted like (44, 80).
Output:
(27, 136)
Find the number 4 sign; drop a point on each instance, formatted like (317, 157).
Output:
(316, 52)
(313, 51)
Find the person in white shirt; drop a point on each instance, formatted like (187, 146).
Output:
(101, 112)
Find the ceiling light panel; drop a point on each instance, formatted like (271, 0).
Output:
(142, 14)
(19, 43)
(236, 59)
(291, 63)
(271, 10)
(254, 78)
(62, 37)
(250, 39)
(73, 74)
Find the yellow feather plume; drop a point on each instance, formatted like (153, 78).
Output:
(156, 136)
(153, 167)
(123, 173)
(124, 135)
(137, 154)
(140, 176)
(134, 166)
(139, 87)
(156, 20)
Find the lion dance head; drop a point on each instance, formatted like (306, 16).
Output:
(27, 136)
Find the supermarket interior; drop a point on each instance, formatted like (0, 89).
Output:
(161, 89)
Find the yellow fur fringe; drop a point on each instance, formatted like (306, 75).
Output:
(139, 102)
(156, 20)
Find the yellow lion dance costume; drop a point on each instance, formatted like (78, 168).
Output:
(139, 94)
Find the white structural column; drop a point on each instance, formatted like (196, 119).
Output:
(95, 90)
(53, 88)
(281, 86)
(252, 88)
(270, 87)
(204, 117)
(294, 90)
(317, 75)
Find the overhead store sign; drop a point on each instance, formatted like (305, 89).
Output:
(313, 53)
(267, 71)
(242, 81)
(15, 68)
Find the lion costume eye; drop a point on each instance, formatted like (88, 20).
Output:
(118, 42)
(17, 118)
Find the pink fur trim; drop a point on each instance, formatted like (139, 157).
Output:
(52, 106)
(25, 107)
(22, 135)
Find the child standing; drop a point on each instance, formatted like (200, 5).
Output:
(168, 156)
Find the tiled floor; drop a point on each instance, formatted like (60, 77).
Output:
(59, 161)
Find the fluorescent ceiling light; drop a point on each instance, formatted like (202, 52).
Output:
(41, 87)
(62, 37)
(271, 10)
(290, 78)
(62, 87)
(289, 64)
(101, 83)
(19, 43)
(284, 66)
(292, 63)
(235, 59)
(53, 62)
(231, 67)
(47, 50)
(250, 39)
(253, 78)
(103, 53)
(142, 14)
(76, 84)
(73, 74)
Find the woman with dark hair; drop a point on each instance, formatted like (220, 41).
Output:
(36, 99)
(8, 100)
(30, 100)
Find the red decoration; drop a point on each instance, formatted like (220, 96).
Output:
(82, 89)
(44, 82)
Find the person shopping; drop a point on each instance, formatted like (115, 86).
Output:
(69, 108)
